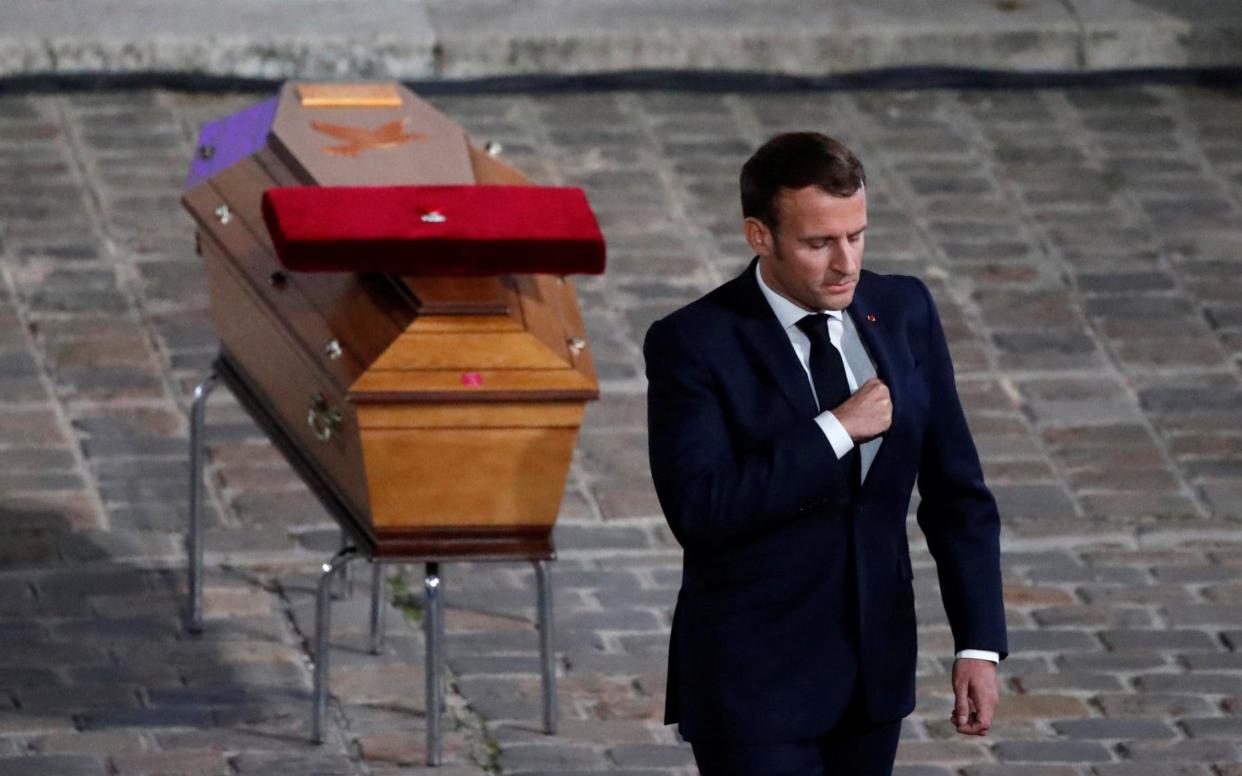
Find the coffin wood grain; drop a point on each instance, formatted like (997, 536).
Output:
(496, 414)
(264, 353)
(499, 476)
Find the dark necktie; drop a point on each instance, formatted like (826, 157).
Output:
(831, 385)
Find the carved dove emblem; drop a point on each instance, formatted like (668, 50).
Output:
(358, 139)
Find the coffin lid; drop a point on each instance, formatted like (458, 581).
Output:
(369, 134)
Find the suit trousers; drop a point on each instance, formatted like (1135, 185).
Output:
(855, 746)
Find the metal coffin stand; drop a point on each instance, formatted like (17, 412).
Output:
(357, 544)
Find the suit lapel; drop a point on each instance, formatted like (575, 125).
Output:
(765, 338)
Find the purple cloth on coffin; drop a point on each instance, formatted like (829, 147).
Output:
(231, 139)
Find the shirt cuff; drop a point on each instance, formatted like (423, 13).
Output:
(981, 654)
(838, 437)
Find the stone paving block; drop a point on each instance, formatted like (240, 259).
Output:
(1013, 769)
(1152, 705)
(13, 678)
(1205, 683)
(569, 536)
(1124, 640)
(1121, 662)
(77, 698)
(495, 664)
(558, 771)
(1181, 751)
(1039, 705)
(1033, 501)
(1178, 551)
(1102, 616)
(1202, 661)
(106, 719)
(189, 762)
(1229, 728)
(625, 498)
(51, 655)
(609, 732)
(614, 619)
(1051, 751)
(502, 698)
(232, 740)
(651, 755)
(938, 752)
(259, 673)
(117, 630)
(1173, 596)
(53, 765)
(1030, 640)
(528, 757)
(446, 769)
(287, 764)
(1068, 681)
(1140, 505)
(29, 723)
(920, 770)
(1204, 614)
(1121, 729)
(403, 748)
(133, 673)
(1154, 769)
(491, 643)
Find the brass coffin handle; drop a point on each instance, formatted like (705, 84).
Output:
(322, 419)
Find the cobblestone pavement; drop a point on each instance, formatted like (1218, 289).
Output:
(1083, 247)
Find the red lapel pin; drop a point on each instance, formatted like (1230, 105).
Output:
(871, 317)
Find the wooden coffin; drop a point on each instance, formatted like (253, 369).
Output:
(433, 416)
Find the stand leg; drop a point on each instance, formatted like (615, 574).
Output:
(546, 652)
(345, 583)
(194, 540)
(379, 607)
(323, 624)
(433, 630)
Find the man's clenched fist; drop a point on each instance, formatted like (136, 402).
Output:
(867, 413)
(975, 695)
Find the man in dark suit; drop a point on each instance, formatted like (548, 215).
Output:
(790, 411)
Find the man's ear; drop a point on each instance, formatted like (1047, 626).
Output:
(759, 236)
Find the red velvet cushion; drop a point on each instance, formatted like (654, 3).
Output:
(479, 230)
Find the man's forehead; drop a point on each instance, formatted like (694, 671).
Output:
(813, 191)
(812, 202)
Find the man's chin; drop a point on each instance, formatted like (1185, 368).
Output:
(835, 300)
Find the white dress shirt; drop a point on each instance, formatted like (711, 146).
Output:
(788, 314)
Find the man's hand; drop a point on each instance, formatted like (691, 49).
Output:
(974, 695)
(867, 413)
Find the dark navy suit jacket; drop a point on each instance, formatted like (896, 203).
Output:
(762, 649)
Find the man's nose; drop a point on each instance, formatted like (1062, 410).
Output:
(841, 258)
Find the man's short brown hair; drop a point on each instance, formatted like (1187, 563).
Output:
(795, 160)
